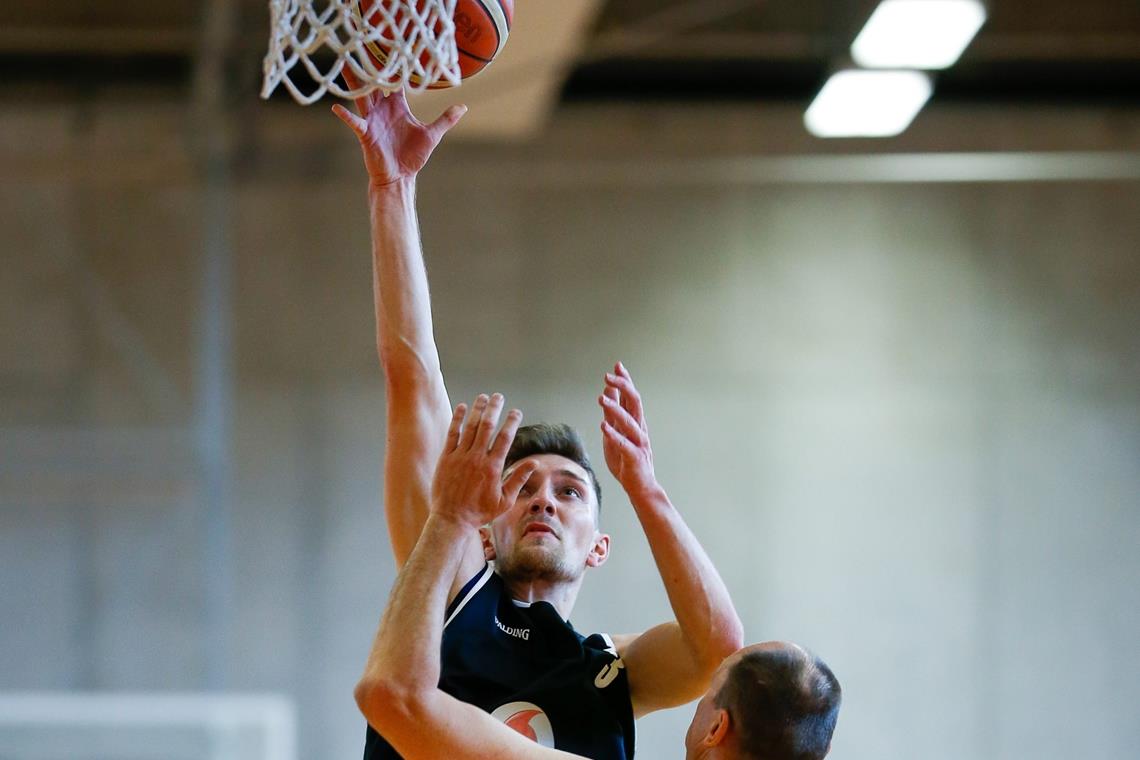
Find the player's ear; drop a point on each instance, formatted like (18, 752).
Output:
(599, 552)
(488, 544)
(718, 729)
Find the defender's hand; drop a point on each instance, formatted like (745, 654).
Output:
(468, 484)
(625, 436)
(396, 145)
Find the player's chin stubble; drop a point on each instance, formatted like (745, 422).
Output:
(536, 564)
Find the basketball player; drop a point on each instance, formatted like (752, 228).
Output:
(503, 649)
(771, 701)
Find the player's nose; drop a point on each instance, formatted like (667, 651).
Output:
(542, 505)
(542, 500)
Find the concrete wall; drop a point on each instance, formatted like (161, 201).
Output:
(904, 418)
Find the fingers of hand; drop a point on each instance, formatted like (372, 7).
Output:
(630, 398)
(506, 435)
(621, 420)
(479, 423)
(517, 479)
(455, 428)
(611, 435)
(400, 100)
(471, 424)
(352, 83)
(488, 422)
(610, 396)
(446, 121)
(393, 105)
(358, 125)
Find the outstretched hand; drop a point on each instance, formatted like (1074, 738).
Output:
(625, 436)
(468, 484)
(396, 145)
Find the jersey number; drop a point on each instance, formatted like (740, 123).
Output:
(609, 674)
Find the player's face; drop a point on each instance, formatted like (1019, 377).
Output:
(551, 531)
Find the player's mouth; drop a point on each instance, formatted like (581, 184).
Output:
(539, 528)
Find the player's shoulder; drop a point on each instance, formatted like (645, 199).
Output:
(484, 582)
(602, 643)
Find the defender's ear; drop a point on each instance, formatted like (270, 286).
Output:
(488, 544)
(599, 552)
(718, 730)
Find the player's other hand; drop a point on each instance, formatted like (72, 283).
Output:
(468, 484)
(625, 436)
(396, 145)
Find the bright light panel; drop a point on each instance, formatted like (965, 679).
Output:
(918, 34)
(858, 103)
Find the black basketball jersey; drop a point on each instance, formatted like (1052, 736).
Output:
(530, 669)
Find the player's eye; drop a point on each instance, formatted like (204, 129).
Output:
(572, 491)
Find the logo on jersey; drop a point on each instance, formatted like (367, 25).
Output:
(527, 719)
(518, 633)
(609, 674)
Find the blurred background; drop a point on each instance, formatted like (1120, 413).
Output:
(893, 384)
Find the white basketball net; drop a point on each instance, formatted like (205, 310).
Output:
(387, 45)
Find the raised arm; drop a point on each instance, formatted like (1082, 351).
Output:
(399, 693)
(395, 147)
(671, 663)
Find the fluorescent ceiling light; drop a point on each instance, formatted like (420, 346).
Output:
(857, 103)
(917, 34)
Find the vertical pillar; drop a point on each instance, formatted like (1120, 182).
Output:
(213, 395)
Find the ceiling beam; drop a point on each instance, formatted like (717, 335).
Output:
(23, 40)
(747, 45)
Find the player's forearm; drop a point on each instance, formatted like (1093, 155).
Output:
(404, 663)
(400, 287)
(418, 408)
(705, 615)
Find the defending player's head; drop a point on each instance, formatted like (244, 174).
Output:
(771, 701)
(551, 533)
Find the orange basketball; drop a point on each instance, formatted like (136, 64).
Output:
(481, 28)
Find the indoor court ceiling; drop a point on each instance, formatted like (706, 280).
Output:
(629, 49)
(1028, 49)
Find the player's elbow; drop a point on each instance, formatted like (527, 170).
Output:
(384, 702)
(407, 370)
(727, 637)
(371, 695)
(732, 635)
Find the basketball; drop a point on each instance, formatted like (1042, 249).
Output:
(481, 28)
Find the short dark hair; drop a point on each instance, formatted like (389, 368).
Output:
(553, 438)
(783, 703)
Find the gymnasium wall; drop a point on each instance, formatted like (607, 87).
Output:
(902, 416)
